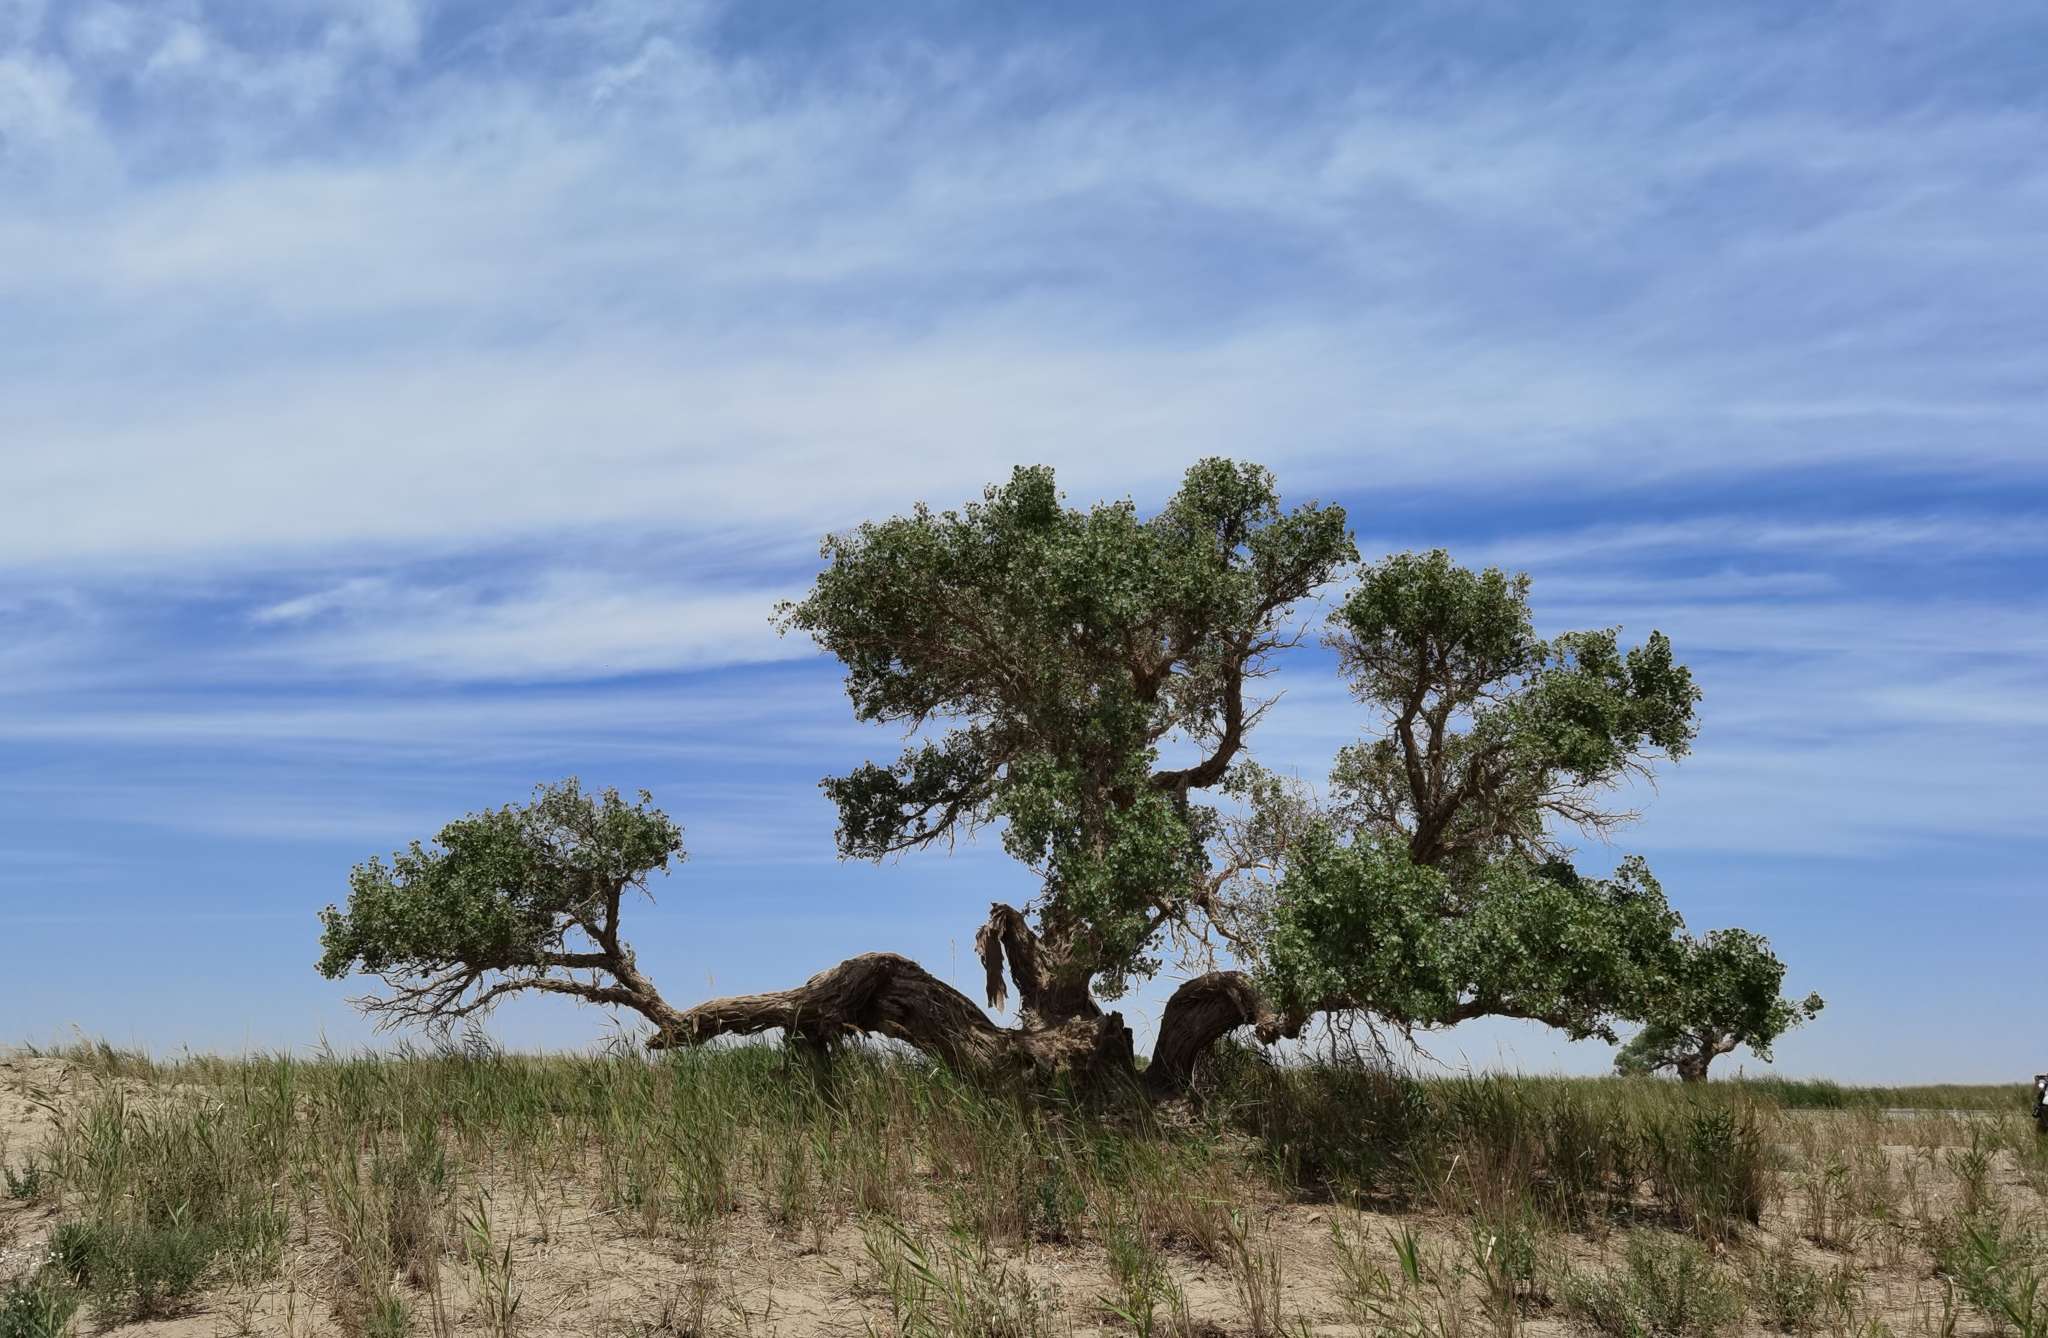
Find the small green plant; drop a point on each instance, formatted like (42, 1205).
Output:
(36, 1308)
(1501, 1258)
(497, 1297)
(134, 1272)
(954, 1289)
(1255, 1267)
(1421, 1298)
(1824, 1191)
(1667, 1285)
(413, 1188)
(386, 1316)
(1144, 1284)
(1971, 1166)
(1999, 1269)
(1786, 1294)
(28, 1184)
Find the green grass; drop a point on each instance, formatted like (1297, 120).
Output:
(1821, 1094)
(398, 1177)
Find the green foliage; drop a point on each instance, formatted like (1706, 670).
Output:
(2001, 1268)
(138, 1270)
(1067, 649)
(1666, 1286)
(1363, 923)
(1067, 652)
(1716, 992)
(1436, 888)
(1492, 730)
(500, 890)
(35, 1308)
(27, 1184)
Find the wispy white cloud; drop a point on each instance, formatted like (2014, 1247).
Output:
(562, 625)
(653, 280)
(1920, 536)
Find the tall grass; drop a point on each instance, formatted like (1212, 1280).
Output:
(405, 1189)
(1496, 1147)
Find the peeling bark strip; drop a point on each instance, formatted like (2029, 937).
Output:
(1049, 989)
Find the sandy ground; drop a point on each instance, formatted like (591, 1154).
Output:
(581, 1271)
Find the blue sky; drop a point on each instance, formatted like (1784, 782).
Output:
(405, 402)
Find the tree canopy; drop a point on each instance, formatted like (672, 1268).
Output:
(509, 899)
(1435, 887)
(1084, 681)
(1058, 653)
(1717, 992)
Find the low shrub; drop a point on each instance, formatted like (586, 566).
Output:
(36, 1309)
(137, 1271)
(1711, 1167)
(1668, 1285)
(1786, 1294)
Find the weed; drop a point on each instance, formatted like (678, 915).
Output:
(1999, 1269)
(1668, 1285)
(1971, 1166)
(1255, 1269)
(134, 1272)
(1710, 1166)
(497, 1297)
(952, 1289)
(36, 1309)
(1786, 1294)
(1144, 1283)
(28, 1184)
(1824, 1192)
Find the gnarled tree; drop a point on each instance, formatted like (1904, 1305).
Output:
(1085, 682)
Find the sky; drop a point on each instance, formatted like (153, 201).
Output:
(404, 402)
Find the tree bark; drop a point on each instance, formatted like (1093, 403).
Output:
(1051, 991)
(883, 994)
(1202, 1012)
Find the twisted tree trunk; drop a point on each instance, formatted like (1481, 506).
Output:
(1063, 1032)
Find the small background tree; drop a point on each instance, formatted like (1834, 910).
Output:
(1719, 992)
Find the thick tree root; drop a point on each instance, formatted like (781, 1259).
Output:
(883, 994)
(876, 993)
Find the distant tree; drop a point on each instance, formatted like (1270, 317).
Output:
(1716, 993)
(1081, 682)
